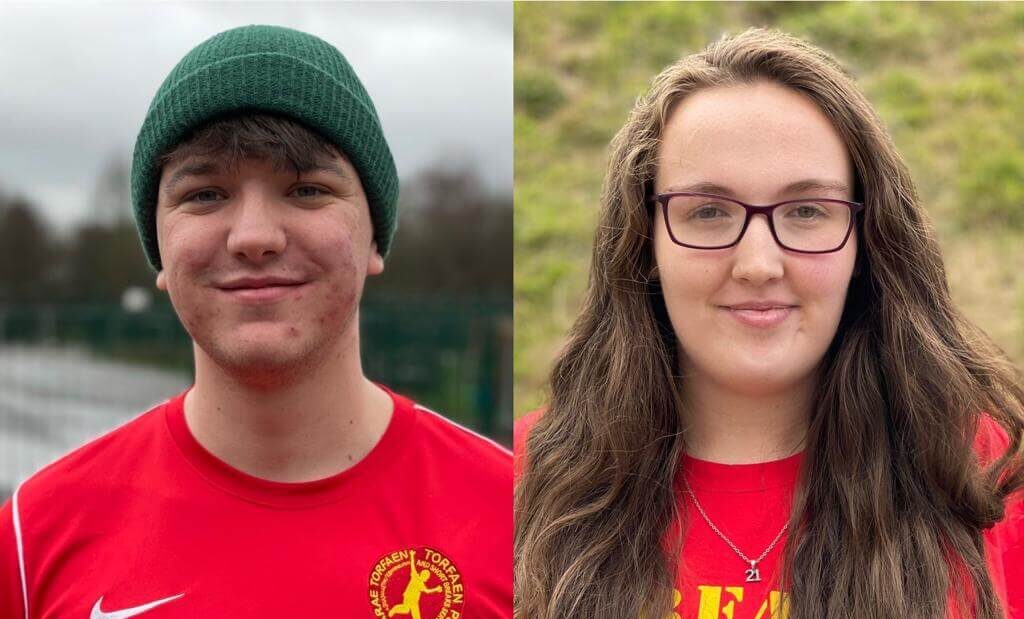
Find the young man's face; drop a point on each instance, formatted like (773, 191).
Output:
(265, 267)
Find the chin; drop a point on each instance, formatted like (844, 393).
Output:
(265, 370)
(264, 361)
(749, 371)
(767, 375)
(761, 384)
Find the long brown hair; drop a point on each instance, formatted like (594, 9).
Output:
(892, 501)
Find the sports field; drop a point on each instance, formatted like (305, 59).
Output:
(54, 399)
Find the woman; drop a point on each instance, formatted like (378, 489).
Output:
(768, 405)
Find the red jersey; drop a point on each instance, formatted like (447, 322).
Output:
(145, 521)
(750, 504)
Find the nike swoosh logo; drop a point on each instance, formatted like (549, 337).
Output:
(97, 613)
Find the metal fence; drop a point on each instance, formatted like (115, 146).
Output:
(71, 372)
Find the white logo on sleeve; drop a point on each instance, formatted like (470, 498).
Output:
(98, 613)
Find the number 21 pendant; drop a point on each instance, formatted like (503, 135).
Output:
(753, 574)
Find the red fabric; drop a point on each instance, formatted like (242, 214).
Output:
(145, 513)
(1004, 543)
(750, 503)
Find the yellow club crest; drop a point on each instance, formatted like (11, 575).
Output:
(418, 583)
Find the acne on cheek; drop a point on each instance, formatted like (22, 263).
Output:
(195, 313)
(197, 320)
(194, 322)
(343, 293)
(341, 300)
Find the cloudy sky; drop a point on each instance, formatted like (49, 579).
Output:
(76, 80)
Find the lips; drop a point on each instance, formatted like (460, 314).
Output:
(762, 314)
(260, 289)
(258, 282)
(759, 305)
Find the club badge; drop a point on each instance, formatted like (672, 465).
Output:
(419, 583)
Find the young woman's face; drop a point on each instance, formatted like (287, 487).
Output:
(760, 144)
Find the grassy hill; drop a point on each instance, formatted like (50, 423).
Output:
(947, 78)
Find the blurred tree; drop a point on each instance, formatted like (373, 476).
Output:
(26, 251)
(454, 237)
(101, 260)
(103, 257)
(111, 198)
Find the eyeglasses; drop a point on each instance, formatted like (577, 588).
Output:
(707, 221)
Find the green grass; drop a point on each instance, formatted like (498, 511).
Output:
(947, 79)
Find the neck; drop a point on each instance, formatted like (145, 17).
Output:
(731, 427)
(317, 422)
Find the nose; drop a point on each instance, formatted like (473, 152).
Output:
(757, 258)
(256, 234)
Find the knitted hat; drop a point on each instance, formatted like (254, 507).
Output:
(266, 69)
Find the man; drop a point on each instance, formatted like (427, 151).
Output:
(283, 483)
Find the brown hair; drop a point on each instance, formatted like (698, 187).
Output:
(255, 135)
(891, 502)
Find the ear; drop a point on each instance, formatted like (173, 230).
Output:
(161, 281)
(374, 262)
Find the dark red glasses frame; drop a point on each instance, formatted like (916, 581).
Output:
(751, 209)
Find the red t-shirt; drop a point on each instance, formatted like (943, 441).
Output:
(145, 521)
(750, 504)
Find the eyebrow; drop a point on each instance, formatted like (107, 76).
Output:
(810, 184)
(197, 168)
(208, 167)
(327, 166)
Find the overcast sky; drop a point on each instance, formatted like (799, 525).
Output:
(76, 80)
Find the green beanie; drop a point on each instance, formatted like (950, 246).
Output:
(266, 69)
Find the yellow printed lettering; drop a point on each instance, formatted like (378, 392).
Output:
(375, 601)
(737, 592)
(710, 606)
(777, 606)
(677, 598)
(710, 600)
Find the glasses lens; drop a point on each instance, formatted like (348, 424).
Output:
(704, 221)
(805, 225)
(812, 225)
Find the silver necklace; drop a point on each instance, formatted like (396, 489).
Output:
(752, 574)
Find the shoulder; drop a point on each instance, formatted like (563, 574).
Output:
(1004, 550)
(523, 427)
(453, 445)
(1005, 540)
(520, 433)
(990, 441)
(11, 562)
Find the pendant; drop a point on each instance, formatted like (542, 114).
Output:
(753, 574)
